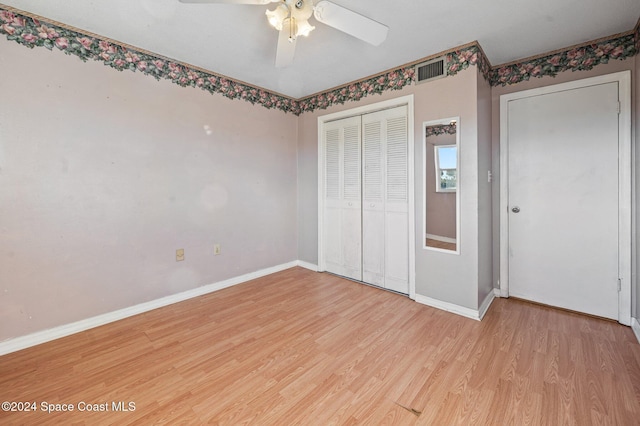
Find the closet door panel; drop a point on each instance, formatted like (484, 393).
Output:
(385, 216)
(332, 203)
(342, 234)
(373, 244)
(397, 201)
(332, 239)
(351, 244)
(397, 250)
(373, 202)
(352, 199)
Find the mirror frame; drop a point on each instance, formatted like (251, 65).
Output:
(425, 167)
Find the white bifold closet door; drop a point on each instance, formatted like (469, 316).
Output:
(366, 218)
(343, 199)
(385, 199)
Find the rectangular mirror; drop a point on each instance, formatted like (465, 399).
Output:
(441, 185)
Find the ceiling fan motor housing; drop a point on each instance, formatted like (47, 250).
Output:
(293, 16)
(300, 9)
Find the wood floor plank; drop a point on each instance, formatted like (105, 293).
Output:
(298, 347)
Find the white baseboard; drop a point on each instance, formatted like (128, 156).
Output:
(23, 342)
(484, 307)
(635, 326)
(307, 265)
(441, 238)
(457, 309)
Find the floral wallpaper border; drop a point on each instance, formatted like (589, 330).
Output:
(579, 58)
(636, 35)
(34, 32)
(38, 32)
(440, 129)
(457, 60)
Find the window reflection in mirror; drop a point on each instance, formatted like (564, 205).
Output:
(446, 166)
(441, 184)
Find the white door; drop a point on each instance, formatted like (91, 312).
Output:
(385, 204)
(342, 198)
(563, 199)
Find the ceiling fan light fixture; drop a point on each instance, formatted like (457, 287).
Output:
(296, 13)
(304, 28)
(291, 19)
(277, 16)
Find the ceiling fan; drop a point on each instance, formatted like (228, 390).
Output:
(291, 19)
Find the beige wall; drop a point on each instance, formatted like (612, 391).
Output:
(104, 174)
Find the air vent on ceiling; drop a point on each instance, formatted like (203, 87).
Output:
(431, 70)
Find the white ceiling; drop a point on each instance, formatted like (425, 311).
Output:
(237, 41)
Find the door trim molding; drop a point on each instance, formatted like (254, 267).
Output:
(378, 106)
(625, 179)
(635, 326)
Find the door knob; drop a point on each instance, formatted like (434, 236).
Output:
(516, 209)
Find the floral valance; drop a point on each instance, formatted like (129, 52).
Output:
(457, 60)
(38, 32)
(580, 58)
(441, 129)
(33, 32)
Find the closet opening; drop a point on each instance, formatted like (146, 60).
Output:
(366, 209)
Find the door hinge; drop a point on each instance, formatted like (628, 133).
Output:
(619, 285)
(619, 107)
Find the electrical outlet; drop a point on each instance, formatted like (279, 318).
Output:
(179, 255)
(216, 249)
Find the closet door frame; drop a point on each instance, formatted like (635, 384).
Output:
(391, 103)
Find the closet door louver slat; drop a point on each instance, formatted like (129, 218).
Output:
(397, 159)
(372, 147)
(352, 163)
(332, 164)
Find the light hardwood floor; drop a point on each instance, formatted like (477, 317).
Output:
(299, 347)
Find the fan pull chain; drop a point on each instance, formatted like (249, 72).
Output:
(292, 29)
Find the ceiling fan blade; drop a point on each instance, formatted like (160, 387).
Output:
(350, 22)
(229, 1)
(286, 48)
